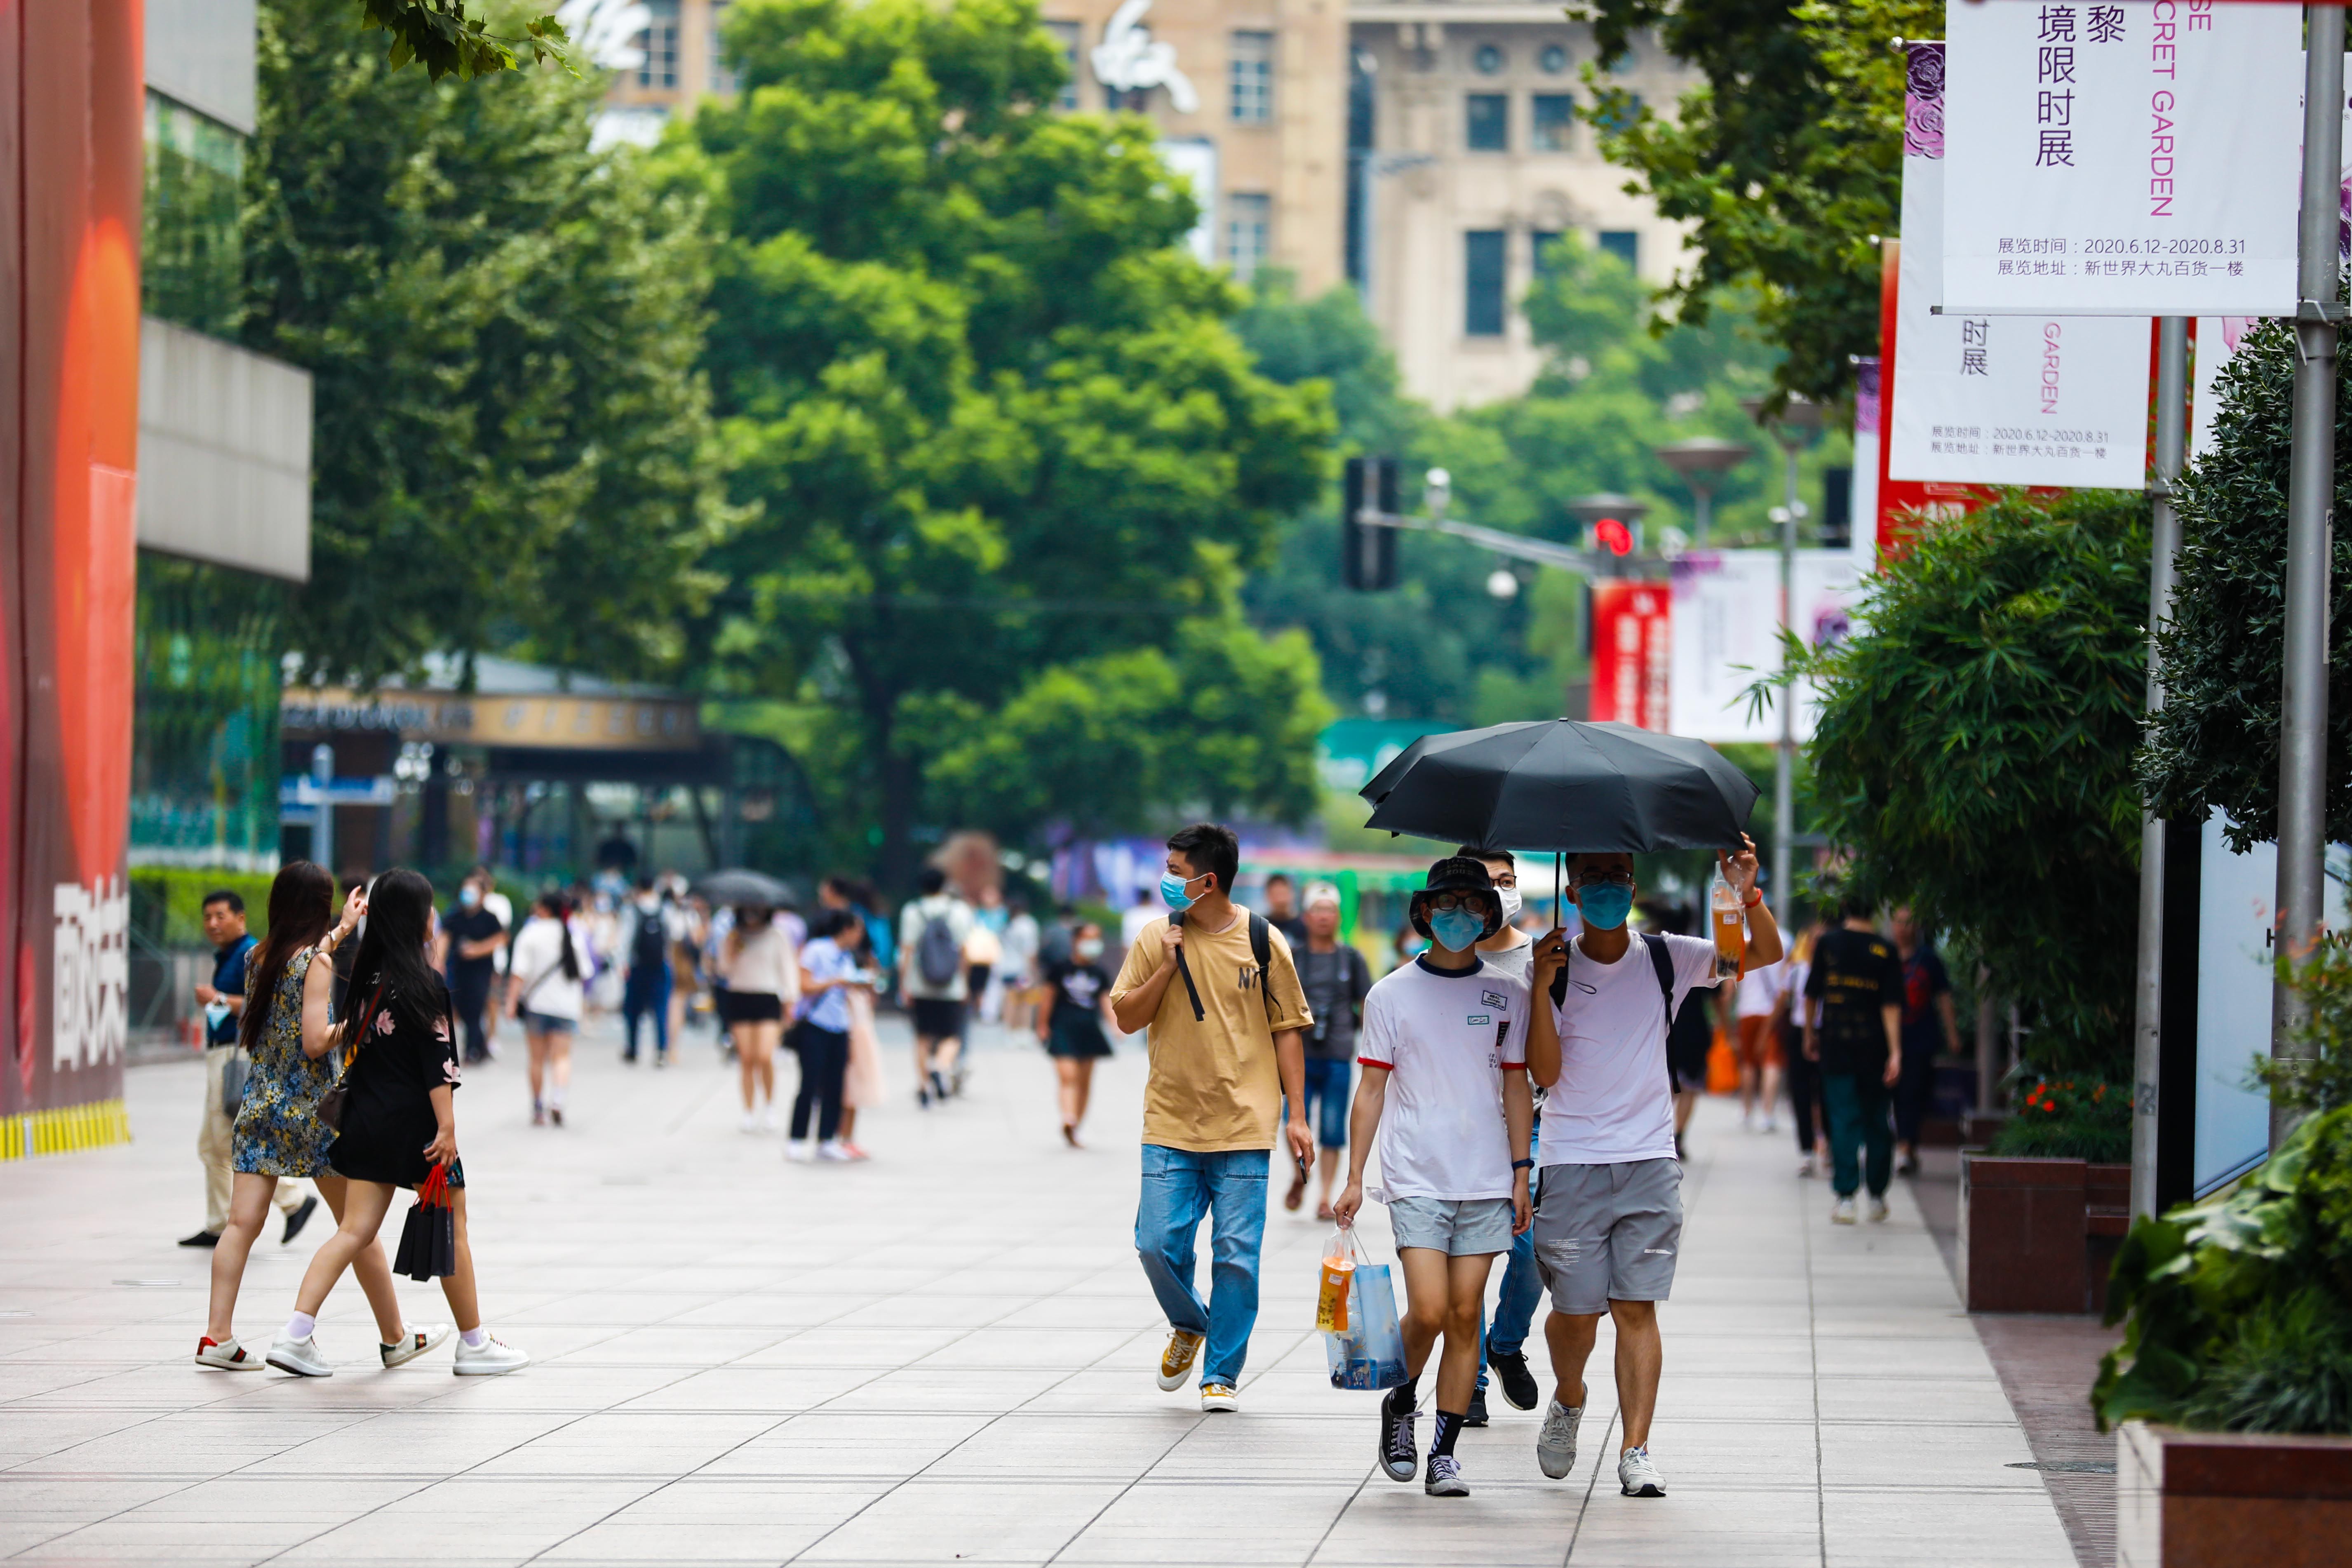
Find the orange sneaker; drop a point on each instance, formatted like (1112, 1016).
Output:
(1176, 1360)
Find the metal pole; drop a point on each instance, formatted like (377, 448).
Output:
(2164, 539)
(1703, 518)
(2310, 528)
(1784, 761)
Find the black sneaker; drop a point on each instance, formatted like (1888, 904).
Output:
(1476, 1416)
(202, 1238)
(1397, 1456)
(1445, 1478)
(297, 1220)
(1518, 1383)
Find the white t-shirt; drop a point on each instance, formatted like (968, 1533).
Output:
(1613, 1102)
(911, 921)
(1519, 963)
(1759, 990)
(539, 968)
(1137, 916)
(499, 904)
(1447, 1040)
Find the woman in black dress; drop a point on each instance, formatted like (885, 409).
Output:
(400, 1079)
(1070, 1023)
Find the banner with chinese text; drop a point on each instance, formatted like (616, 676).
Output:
(1631, 651)
(1727, 635)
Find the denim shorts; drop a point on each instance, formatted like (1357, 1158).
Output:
(549, 1023)
(1459, 1228)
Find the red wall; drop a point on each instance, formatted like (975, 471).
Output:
(70, 174)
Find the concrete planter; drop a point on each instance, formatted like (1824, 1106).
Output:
(2037, 1236)
(2204, 1500)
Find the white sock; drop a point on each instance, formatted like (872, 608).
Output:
(300, 1325)
(475, 1337)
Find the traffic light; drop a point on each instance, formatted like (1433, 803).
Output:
(1368, 551)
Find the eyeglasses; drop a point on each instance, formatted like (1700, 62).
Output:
(1507, 879)
(1604, 880)
(1451, 901)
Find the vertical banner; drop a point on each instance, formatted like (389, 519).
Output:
(1632, 651)
(1727, 635)
(2128, 158)
(2000, 400)
(1902, 503)
(69, 605)
(1866, 462)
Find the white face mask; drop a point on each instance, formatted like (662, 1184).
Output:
(1511, 905)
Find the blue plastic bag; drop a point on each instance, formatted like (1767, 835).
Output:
(1371, 1354)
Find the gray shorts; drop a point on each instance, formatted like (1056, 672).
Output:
(1458, 1227)
(1609, 1232)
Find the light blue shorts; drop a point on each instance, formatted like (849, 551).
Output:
(1458, 1227)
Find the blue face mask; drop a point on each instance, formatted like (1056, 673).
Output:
(1606, 906)
(1172, 893)
(1455, 930)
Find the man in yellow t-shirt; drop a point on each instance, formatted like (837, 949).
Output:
(1225, 1051)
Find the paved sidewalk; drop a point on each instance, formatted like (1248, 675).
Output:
(943, 1356)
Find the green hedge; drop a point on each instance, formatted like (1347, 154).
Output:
(167, 903)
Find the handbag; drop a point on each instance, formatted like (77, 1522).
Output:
(329, 1112)
(234, 1073)
(428, 1239)
(1371, 1353)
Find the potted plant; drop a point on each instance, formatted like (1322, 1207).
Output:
(2042, 1210)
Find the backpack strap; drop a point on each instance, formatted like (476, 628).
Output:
(1261, 935)
(1663, 963)
(1200, 1014)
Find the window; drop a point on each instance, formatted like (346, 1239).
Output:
(1614, 119)
(1249, 218)
(1547, 261)
(1489, 59)
(1488, 125)
(192, 255)
(1554, 60)
(723, 77)
(1250, 78)
(1066, 35)
(1482, 283)
(1622, 242)
(1555, 118)
(659, 41)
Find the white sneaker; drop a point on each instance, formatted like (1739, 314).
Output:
(1771, 1123)
(1842, 1211)
(834, 1150)
(1805, 1168)
(299, 1357)
(415, 1342)
(1637, 1477)
(229, 1357)
(771, 1124)
(752, 1121)
(1215, 1396)
(1556, 1443)
(488, 1359)
(799, 1152)
(1877, 1211)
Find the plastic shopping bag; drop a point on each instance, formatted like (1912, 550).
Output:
(1340, 1257)
(1371, 1353)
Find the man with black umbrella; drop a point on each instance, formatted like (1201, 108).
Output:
(1609, 1208)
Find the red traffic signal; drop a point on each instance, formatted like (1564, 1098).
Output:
(1613, 536)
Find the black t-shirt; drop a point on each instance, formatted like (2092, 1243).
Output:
(1078, 991)
(388, 1112)
(1924, 980)
(1336, 984)
(461, 924)
(1856, 975)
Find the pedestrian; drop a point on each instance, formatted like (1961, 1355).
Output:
(1216, 987)
(1070, 1023)
(1142, 912)
(1792, 1012)
(652, 930)
(548, 990)
(1757, 1044)
(932, 931)
(1510, 950)
(1282, 911)
(223, 1000)
(1017, 970)
(1336, 977)
(399, 1077)
(473, 935)
(861, 1085)
(761, 974)
(1690, 1039)
(826, 971)
(277, 1137)
(1930, 1022)
(1608, 1210)
(1857, 979)
(1445, 1093)
(689, 918)
(983, 950)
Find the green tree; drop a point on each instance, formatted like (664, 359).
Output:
(467, 39)
(512, 449)
(2215, 745)
(1975, 748)
(988, 408)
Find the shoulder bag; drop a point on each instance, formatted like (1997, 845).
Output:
(329, 1112)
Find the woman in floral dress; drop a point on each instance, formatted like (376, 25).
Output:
(277, 1134)
(400, 1083)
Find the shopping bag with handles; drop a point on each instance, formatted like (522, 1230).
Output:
(1369, 1354)
(1341, 1258)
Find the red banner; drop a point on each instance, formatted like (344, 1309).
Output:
(1633, 651)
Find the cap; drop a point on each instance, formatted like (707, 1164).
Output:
(1319, 893)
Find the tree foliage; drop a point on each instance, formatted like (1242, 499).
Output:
(989, 410)
(2215, 745)
(1788, 160)
(463, 39)
(1974, 754)
(512, 448)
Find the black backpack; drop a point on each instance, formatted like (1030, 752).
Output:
(1261, 940)
(1662, 963)
(649, 945)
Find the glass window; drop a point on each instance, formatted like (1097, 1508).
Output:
(722, 75)
(1554, 60)
(1555, 118)
(1613, 120)
(1488, 127)
(1066, 35)
(659, 41)
(1489, 59)
(205, 758)
(1624, 244)
(1547, 261)
(1249, 223)
(1250, 72)
(192, 257)
(1482, 282)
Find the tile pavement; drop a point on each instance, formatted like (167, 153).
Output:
(943, 1356)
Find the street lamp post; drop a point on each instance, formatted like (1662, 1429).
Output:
(322, 828)
(1702, 461)
(1794, 428)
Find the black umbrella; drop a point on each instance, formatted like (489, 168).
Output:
(741, 887)
(1564, 785)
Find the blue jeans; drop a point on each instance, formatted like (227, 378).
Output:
(1180, 1189)
(646, 991)
(1326, 1098)
(1515, 1308)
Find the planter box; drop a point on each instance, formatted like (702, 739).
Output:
(2106, 1215)
(2203, 1499)
(2021, 1234)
